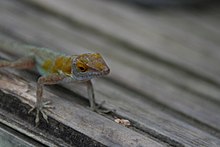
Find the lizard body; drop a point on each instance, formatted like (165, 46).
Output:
(55, 68)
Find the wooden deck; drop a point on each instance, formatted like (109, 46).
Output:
(164, 73)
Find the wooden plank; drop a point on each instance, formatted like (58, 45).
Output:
(166, 93)
(74, 115)
(9, 137)
(189, 104)
(142, 37)
(187, 32)
(85, 40)
(140, 112)
(189, 82)
(57, 39)
(152, 118)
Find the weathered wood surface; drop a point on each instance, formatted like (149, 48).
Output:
(164, 68)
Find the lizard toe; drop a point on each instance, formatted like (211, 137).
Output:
(99, 109)
(42, 108)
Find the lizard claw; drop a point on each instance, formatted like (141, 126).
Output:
(41, 108)
(101, 111)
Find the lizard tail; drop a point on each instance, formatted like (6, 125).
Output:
(13, 48)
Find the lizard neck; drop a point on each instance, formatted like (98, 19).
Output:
(59, 64)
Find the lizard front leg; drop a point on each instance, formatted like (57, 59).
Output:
(92, 99)
(41, 105)
(91, 95)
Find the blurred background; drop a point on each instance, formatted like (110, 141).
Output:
(166, 3)
(164, 57)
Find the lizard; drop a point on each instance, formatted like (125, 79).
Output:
(54, 68)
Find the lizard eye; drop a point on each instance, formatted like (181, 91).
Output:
(82, 67)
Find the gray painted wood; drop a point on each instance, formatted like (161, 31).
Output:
(73, 115)
(152, 89)
(138, 28)
(153, 86)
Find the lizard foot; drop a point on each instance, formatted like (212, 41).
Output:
(98, 109)
(41, 108)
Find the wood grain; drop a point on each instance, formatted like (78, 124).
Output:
(165, 103)
(146, 37)
(75, 116)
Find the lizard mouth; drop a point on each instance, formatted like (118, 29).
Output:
(103, 73)
(97, 74)
(90, 75)
(93, 73)
(107, 71)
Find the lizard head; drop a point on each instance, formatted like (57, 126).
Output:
(88, 66)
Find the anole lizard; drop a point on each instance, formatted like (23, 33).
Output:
(55, 68)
